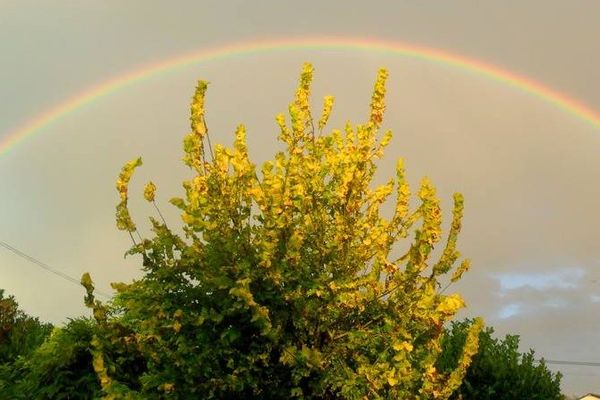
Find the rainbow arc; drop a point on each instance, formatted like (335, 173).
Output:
(537, 89)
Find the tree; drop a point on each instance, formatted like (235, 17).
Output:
(498, 371)
(19, 333)
(289, 282)
(60, 368)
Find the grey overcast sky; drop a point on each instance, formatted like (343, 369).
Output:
(529, 170)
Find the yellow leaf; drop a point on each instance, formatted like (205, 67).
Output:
(392, 379)
(177, 326)
(464, 267)
(403, 346)
(451, 304)
(327, 106)
(167, 387)
(149, 191)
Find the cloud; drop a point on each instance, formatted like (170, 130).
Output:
(509, 310)
(567, 278)
(523, 294)
(544, 291)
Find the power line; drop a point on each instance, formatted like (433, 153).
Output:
(48, 268)
(561, 362)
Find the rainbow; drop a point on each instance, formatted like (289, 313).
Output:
(93, 93)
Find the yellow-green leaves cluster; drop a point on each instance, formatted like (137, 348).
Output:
(124, 221)
(193, 143)
(327, 107)
(378, 99)
(149, 191)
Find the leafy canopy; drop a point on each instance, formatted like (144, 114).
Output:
(59, 368)
(19, 333)
(289, 280)
(20, 336)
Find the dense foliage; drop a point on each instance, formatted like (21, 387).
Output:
(498, 371)
(289, 280)
(61, 368)
(19, 332)
(38, 361)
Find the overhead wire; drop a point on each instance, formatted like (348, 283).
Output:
(48, 268)
(563, 362)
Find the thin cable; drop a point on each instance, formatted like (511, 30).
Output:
(561, 362)
(49, 268)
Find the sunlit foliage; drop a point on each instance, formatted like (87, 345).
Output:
(289, 280)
